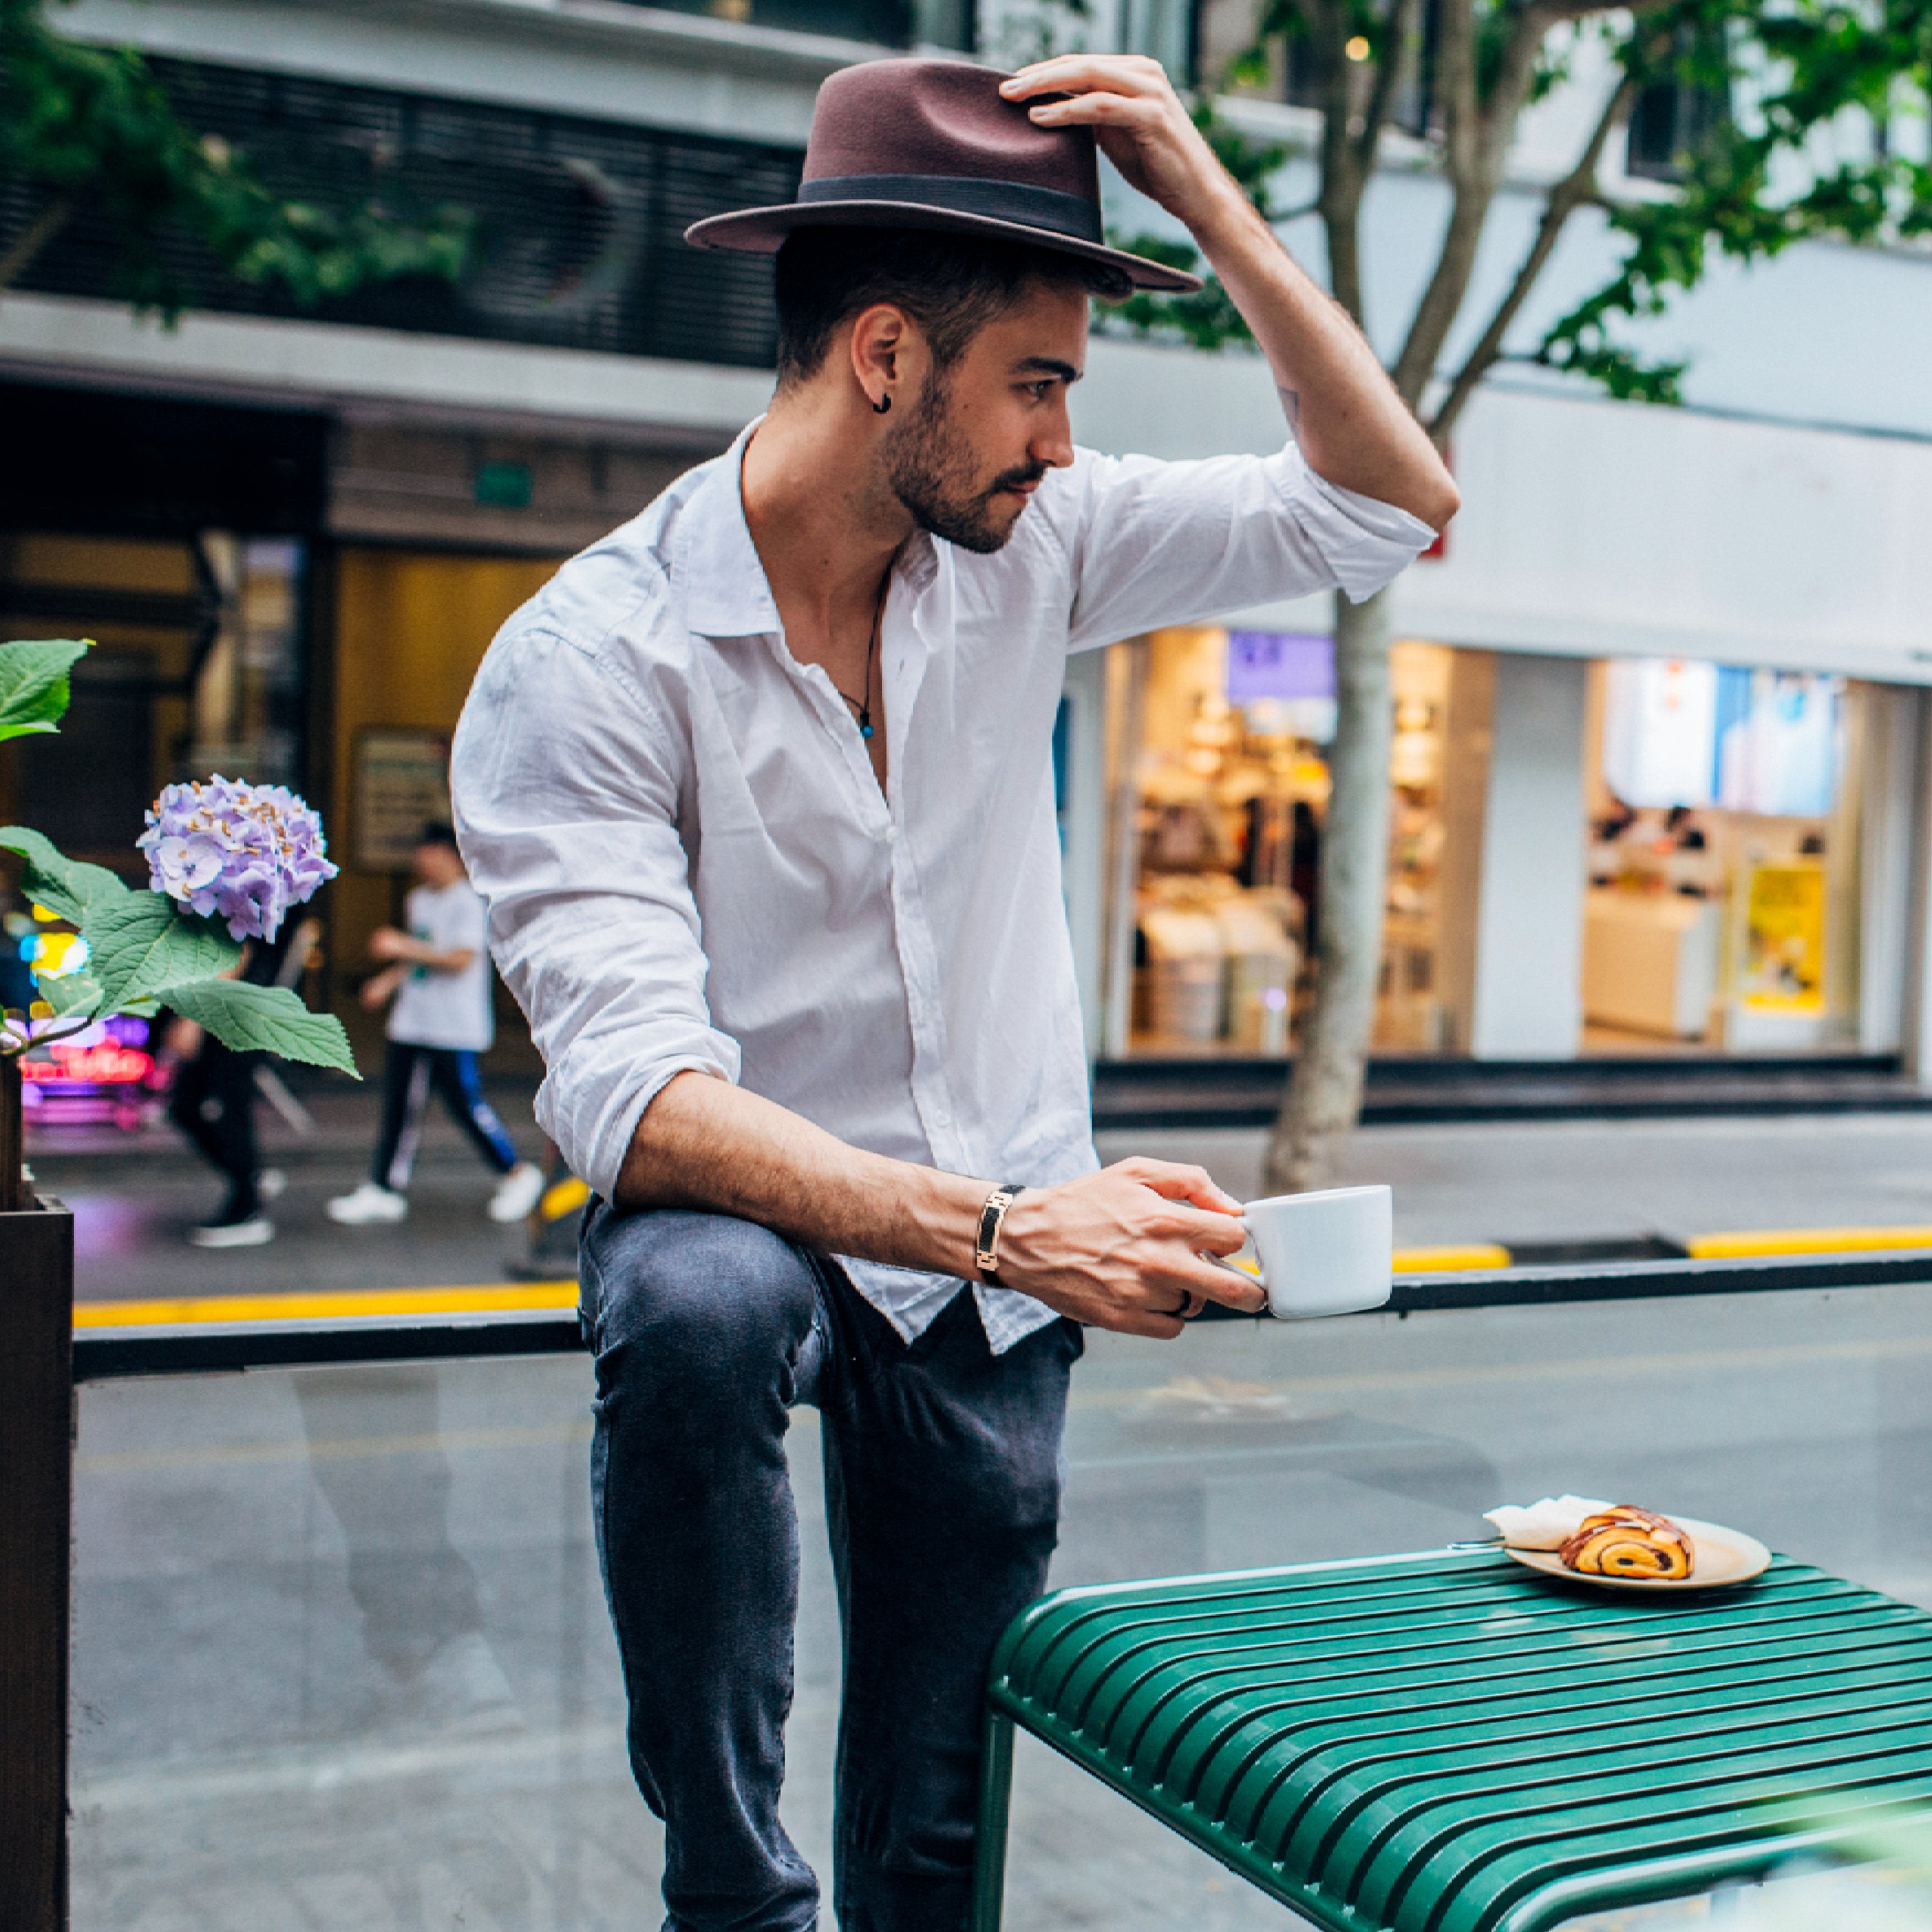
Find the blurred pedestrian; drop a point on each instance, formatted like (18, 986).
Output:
(438, 974)
(212, 1099)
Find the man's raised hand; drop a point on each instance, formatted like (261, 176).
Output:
(1124, 1249)
(1140, 125)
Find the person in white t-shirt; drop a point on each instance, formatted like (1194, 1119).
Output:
(438, 974)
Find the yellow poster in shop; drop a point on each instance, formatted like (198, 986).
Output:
(1783, 970)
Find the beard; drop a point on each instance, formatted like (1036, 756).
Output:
(932, 471)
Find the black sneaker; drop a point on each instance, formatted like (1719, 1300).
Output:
(227, 1231)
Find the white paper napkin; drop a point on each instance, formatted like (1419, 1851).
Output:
(1547, 1524)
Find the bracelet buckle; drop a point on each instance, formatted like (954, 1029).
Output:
(992, 1216)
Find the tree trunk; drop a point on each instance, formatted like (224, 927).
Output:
(13, 1192)
(1324, 1093)
(17, 260)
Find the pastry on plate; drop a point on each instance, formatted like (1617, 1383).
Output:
(1626, 1541)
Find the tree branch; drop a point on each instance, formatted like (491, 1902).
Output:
(1576, 188)
(1480, 133)
(1339, 201)
(18, 258)
(1388, 73)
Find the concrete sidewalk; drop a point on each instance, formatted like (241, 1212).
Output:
(135, 1194)
(1576, 1180)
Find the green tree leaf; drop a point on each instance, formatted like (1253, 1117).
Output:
(92, 128)
(70, 995)
(63, 885)
(34, 689)
(143, 944)
(266, 1019)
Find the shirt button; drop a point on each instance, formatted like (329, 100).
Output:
(891, 835)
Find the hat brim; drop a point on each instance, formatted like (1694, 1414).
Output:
(758, 231)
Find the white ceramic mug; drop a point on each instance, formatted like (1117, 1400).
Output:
(1325, 1253)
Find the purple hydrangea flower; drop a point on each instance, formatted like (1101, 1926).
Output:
(245, 853)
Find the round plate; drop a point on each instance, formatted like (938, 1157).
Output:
(1724, 1556)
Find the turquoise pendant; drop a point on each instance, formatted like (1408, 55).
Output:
(865, 730)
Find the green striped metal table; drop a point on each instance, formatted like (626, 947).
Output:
(1448, 1742)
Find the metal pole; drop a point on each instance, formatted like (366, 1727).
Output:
(37, 1412)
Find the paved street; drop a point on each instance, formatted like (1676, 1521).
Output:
(135, 1195)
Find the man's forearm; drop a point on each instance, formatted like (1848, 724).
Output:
(1123, 1249)
(705, 1144)
(1352, 426)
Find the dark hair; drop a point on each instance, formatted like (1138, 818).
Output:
(951, 285)
(437, 833)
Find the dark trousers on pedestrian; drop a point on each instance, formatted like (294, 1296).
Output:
(409, 1074)
(213, 1102)
(942, 1482)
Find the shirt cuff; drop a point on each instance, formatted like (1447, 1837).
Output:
(1365, 542)
(603, 1161)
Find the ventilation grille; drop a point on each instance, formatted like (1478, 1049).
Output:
(580, 222)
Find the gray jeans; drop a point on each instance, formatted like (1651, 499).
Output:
(942, 1480)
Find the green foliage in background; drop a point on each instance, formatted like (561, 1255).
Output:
(85, 127)
(1788, 167)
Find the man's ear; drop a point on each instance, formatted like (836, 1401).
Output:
(879, 346)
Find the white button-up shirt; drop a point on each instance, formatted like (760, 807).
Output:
(689, 863)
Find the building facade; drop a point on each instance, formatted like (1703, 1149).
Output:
(293, 534)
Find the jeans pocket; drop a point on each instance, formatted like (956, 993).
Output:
(589, 1279)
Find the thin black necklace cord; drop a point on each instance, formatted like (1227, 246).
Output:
(863, 707)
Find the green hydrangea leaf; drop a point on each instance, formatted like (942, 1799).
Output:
(63, 885)
(264, 1019)
(71, 995)
(143, 944)
(34, 689)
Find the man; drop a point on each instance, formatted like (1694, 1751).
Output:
(438, 974)
(759, 790)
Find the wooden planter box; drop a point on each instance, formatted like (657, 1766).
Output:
(36, 1422)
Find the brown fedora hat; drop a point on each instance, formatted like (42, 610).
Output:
(933, 144)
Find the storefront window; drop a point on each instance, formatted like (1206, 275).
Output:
(1411, 1015)
(1724, 895)
(1228, 755)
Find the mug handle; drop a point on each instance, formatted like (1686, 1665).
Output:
(1234, 1267)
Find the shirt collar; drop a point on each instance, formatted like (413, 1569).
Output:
(716, 564)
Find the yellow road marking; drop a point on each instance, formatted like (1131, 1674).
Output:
(471, 1300)
(1761, 1241)
(498, 1297)
(1452, 1255)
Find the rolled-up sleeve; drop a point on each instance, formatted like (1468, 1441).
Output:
(565, 785)
(1153, 543)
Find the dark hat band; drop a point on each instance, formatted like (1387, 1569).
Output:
(1071, 215)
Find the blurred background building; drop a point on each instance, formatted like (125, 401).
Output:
(1660, 780)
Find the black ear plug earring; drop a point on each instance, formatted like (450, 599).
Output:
(882, 405)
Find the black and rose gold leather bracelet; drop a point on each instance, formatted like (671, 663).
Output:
(992, 1216)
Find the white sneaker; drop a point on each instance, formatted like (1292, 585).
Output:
(517, 1193)
(367, 1204)
(249, 1234)
(271, 1183)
